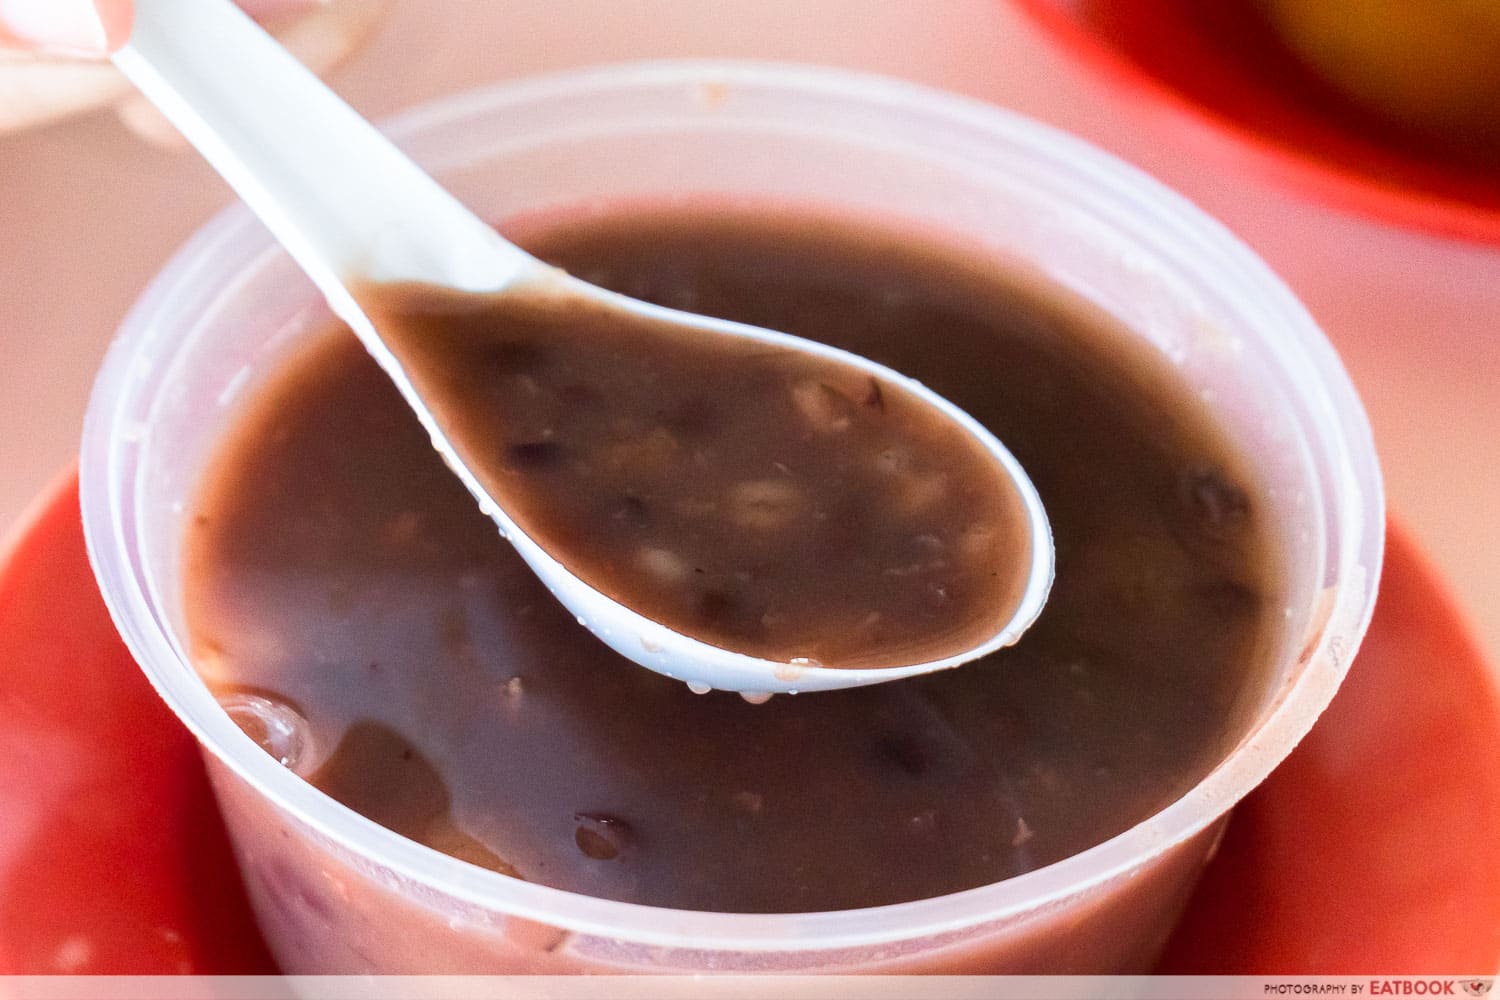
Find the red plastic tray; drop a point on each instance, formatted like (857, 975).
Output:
(1373, 848)
(1215, 68)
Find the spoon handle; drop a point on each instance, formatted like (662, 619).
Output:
(346, 203)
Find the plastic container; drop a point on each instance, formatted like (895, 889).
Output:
(337, 893)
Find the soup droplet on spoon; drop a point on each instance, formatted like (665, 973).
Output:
(734, 507)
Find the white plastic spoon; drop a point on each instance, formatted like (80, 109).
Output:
(352, 210)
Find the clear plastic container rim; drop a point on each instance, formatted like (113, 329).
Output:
(107, 502)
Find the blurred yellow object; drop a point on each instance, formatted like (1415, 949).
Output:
(1431, 67)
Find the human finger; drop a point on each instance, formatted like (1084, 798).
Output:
(88, 28)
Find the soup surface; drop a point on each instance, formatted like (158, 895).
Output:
(357, 613)
(754, 496)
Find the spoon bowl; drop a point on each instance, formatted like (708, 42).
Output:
(354, 212)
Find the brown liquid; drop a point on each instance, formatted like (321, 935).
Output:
(336, 566)
(755, 497)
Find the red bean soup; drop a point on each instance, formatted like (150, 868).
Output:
(357, 613)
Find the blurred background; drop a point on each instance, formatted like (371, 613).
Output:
(92, 205)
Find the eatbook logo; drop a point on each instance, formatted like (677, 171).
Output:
(1477, 987)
